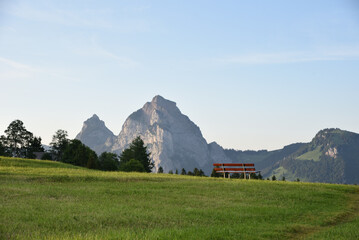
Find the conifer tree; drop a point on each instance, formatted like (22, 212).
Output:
(137, 151)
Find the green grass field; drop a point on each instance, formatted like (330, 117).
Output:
(312, 155)
(49, 200)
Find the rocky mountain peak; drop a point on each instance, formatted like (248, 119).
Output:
(161, 104)
(94, 121)
(334, 137)
(174, 141)
(96, 135)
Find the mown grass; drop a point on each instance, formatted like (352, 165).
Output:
(49, 200)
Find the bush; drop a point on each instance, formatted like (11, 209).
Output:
(78, 154)
(47, 156)
(108, 161)
(132, 166)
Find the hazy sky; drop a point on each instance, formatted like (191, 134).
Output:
(250, 74)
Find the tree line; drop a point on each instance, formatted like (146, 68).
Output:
(19, 142)
(195, 172)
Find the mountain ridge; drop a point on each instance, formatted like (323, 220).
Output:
(175, 142)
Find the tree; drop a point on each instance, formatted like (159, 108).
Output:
(283, 178)
(176, 171)
(35, 145)
(198, 172)
(138, 151)
(160, 170)
(2, 149)
(274, 178)
(108, 161)
(183, 172)
(253, 176)
(17, 139)
(133, 165)
(59, 143)
(214, 173)
(47, 156)
(260, 177)
(78, 154)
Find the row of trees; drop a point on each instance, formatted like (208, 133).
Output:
(195, 172)
(133, 159)
(19, 142)
(237, 175)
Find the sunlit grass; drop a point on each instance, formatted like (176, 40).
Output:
(49, 200)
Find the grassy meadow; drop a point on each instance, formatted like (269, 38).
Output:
(51, 200)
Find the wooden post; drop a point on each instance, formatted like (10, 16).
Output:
(244, 172)
(224, 174)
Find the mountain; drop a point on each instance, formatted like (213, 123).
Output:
(332, 157)
(96, 135)
(174, 141)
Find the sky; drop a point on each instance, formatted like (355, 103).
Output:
(252, 74)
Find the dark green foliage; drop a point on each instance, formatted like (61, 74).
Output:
(215, 174)
(283, 178)
(170, 172)
(59, 143)
(260, 177)
(47, 156)
(183, 171)
(253, 176)
(198, 172)
(3, 150)
(274, 178)
(108, 161)
(160, 170)
(138, 151)
(133, 165)
(189, 173)
(176, 171)
(35, 145)
(17, 140)
(78, 154)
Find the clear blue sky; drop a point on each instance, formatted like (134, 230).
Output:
(250, 74)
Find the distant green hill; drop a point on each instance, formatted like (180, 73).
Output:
(332, 156)
(51, 200)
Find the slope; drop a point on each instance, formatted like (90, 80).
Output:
(332, 156)
(47, 200)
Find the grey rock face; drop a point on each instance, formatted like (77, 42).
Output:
(96, 135)
(217, 153)
(174, 141)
